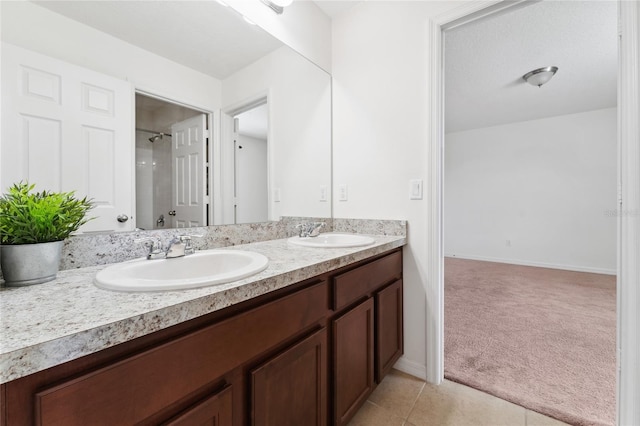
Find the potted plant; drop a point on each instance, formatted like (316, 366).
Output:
(33, 226)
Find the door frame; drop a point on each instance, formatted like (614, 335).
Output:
(259, 98)
(212, 136)
(628, 228)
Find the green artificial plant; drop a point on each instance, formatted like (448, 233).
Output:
(29, 217)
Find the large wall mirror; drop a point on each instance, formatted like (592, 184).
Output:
(167, 114)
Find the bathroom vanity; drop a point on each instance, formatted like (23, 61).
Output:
(302, 343)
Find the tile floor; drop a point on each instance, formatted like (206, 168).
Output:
(403, 400)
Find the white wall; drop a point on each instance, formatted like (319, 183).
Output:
(302, 26)
(299, 127)
(380, 111)
(36, 28)
(547, 186)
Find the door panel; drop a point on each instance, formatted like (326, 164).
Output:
(353, 360)
(389, 331)
(188, 156)
(217, 410)
(67, 128)
(290, 389)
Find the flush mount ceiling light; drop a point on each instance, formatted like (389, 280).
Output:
(540, 76)
(277, 5)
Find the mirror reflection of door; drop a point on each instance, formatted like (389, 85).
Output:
(171, 188)
(250, 162)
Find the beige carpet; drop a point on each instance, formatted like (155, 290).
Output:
(541, 338)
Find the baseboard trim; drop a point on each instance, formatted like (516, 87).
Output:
(604, 271)
(412, 368)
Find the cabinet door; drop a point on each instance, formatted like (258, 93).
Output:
(290, 389)
(389, 335)
(213, 411)
(353, 360)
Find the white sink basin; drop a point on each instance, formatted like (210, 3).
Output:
(203, 268)
(333, 240)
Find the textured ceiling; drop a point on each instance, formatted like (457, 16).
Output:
(485, 61)
(203, 35)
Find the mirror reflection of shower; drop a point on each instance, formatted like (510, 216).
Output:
(155, 137)
(154, 168)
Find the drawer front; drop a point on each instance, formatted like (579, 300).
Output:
(131, 390)
(352, 285)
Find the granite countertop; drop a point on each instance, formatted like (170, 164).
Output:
(48, 324)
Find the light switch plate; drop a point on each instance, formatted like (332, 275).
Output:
(343, 193)
(323, 193)
(415, 189)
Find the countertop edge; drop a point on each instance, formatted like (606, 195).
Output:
(31, 359)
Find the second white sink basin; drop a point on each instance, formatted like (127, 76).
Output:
(333, 240)
(203, 268)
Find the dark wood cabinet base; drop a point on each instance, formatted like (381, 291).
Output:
(309, 354)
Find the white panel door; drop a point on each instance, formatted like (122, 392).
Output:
(67, 128)
(188, 155)
(228, 137)
(251, 180)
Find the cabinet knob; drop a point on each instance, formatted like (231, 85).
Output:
(122, 218)
(172, 213)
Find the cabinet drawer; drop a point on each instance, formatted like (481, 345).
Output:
(352, 285)
(136, 388)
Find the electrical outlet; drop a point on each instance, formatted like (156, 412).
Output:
(343, 193)
(323, 193)
(276, 195)
(508, 243)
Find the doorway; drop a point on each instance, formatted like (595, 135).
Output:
(171, 164)
(251, 165)
(628, 230)
(245, 169)
(529, 175)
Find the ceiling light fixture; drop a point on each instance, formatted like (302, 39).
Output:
(540, 76)
(277, 5)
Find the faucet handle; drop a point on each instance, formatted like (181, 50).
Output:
(186, 240)
(309, 229)
(314, 229)
(155, 248)
(147, 242)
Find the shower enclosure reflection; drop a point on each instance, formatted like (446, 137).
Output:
(158, 173)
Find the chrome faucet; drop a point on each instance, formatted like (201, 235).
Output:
(178, 247)
(309, 229)
(155, 248)
(175, 248)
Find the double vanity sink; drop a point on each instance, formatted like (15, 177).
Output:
(207, 267)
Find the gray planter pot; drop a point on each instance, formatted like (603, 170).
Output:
(27, 264)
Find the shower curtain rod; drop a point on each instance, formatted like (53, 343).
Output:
(153, 131)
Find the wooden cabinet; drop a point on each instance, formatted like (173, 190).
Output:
(291, 388)
(353, 360)
(367, 339)
(389, 324)
(215, 410)
(309, 354)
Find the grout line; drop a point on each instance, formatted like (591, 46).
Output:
(415, 401)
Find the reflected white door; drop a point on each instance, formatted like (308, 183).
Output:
(188, 156)
(251, 179)
(67, 128)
